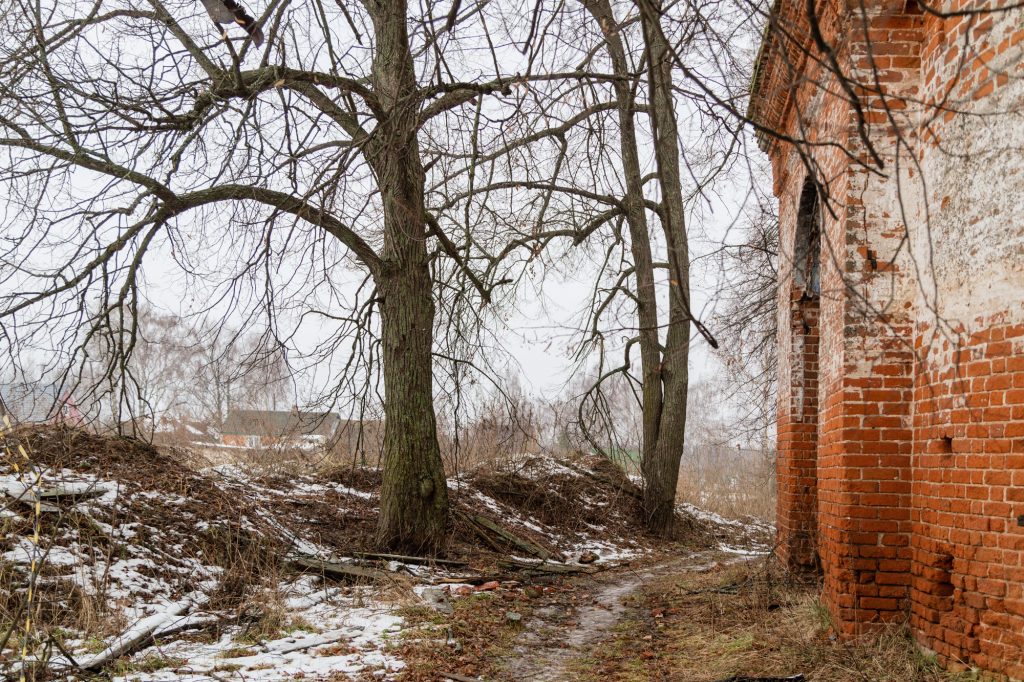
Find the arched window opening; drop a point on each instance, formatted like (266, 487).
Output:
(807, 248)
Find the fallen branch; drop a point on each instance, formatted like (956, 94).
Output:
(134, 638)
(188, 622)
(481, 533)
(459, 678)
(44, 507)
(337, 569)
(470, 579)
(744, 678)
(527, 546)
(422, 561)
(309, 643)
(546, 568)
(74, 493)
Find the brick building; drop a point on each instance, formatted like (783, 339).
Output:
(901, 395)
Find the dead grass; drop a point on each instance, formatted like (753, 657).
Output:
(120, 458)
(603, 498)
(472, 641)
(245, 527)
(745, 621)
(734, 487)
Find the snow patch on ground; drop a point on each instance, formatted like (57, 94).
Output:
(339, 634)
(145, 574)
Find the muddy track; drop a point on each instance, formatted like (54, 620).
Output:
(555, 636)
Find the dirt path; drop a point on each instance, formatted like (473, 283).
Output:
(557, 635)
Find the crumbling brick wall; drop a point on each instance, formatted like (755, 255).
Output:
(968, 495)
(901, 445)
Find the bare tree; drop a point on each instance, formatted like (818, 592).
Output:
(228, 369)
(177, 371)
(157, 373)
(746, 319)
(655, 217)
(129, 136)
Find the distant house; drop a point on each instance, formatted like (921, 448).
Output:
(35, 403)
(264, 428)
(177, 431)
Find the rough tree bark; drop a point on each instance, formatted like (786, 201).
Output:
(414, 497)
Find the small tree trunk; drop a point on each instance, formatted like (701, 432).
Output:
(639, 234)
(665, 372)
(661, 468)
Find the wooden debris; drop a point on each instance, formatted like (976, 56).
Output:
(745, 678)
(525, 545)
(187, 623)
(480, 531)
(337, 569)
(48, 497)
(545, 568)
(72, 493)
(27, 501)
(459, 678)
(467, 579)
(134, 638)
(422, 561)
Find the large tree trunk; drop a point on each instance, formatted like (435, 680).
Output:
(414, 495)
(661, 469)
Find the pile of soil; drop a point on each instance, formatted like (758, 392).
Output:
(220, 513)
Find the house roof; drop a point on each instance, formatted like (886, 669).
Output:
(280, 423)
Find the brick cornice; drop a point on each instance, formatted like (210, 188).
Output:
(780, 64)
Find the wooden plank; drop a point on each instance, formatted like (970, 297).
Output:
(25, 499)
(481, 532)
(134, 637)
(525, 545)
(546, 568)
(418, 560)
(337, 569)
(72, 493)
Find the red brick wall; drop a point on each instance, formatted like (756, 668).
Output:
(968, 463)
(862, 429)
(968, 502)
(796, 467)
(919, 432)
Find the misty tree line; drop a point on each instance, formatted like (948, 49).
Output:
(389, 175)
(184, 372)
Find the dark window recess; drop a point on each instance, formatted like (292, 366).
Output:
(807, 248)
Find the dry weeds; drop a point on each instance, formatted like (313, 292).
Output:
(748, 620)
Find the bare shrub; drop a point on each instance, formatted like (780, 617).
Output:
(734, 482)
